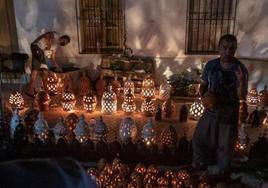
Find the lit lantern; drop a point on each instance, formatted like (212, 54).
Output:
(15, 120)
(41, 127)
(164, 92)
(140, 168)
(183, 175)
(129, 84)
(109, 101)
(168, 109)
(84, 84)
(148, 88)
(148, 107)
(148, 133)
(263, 96)
(101, 130)
(127, 130)
(116, 86)
(81, 130)
(70, 121)
(16, 100)
(170, 174)
(68, 101)
(203, 185)
(176, 183)
(196, 109)
(52, 83)
(168, 136)
(30, 117)
(90, 102)
(252, 97)
(129, 105)
(243, 139)
(162, 182)
(60, 130)
(42, 101)
(93, 173)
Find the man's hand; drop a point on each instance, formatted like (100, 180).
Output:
(208, 100)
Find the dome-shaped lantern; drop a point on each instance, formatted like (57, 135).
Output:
(90, 102)
(129, 105)
(169, 136)
(60, 130)
(81, 130)
(109, 101)
(70, 121)
(252, 97)
(127, 129)
(68, 101)
(148, 107)
(129, 84)
(148, 133)
(148, 88)
(16, 100)
(41, 127)
(101, 130)
(164, 91)
(168, 109)
(196, 109)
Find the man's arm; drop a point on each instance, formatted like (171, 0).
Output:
(53, 59)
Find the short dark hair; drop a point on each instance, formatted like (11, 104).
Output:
(66, 37)
(228, 37)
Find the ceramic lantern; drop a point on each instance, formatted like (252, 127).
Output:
(15, 120)
(42, 101)
(252, 97)
(84, 85)
(148, 133)
(16, 100)
(41, 127)
(116, 86)
(196, 109)
(52, 83)
(89, 102)
(164, 91)
(263, 96)
(168, 109)
(100, 86)
(30, 117)
(127, 129)
(129, 84)
(129, 105)
(101, 130)
(60, 130)
(81, 130)
(169, 136)
(148, 88)
(68, 101)
(109, 101)
(148, 107)
(70, 121)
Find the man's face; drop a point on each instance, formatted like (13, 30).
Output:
(227, 50)
(63, 41)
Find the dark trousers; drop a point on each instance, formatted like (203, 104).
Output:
(38, 57)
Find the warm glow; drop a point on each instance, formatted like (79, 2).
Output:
(16, 101)
(68, 101)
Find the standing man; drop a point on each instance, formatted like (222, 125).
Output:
(224, 85)
(43, 55)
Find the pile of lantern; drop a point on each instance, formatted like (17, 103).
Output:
(196, 109)
(16, 100)
(109, 101)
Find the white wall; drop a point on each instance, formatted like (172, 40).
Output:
(154, 28)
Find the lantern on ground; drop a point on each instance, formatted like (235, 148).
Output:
(129, 105)
(196, 109)
(127, 130)
(148, 88)
(168, 109)
(81, 130)
(164, 91)
(109, 101)
(148, 133)
(148, 107)
(263, 96)
(168, 136)
(60, 130)
(68, 101)
(101, 130)
(15, 120)
(30, 117)
(16, 100)
(243, 139)
(70, 121)
(41, 127)
(89, 102)
(252, 97)
(52, 83)
(84, 85)
(129, 84)
(42, 101)
(116, 86)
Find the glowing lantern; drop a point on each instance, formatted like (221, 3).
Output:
(243, 139)
(183, 175)
(162, 182)
(60, 130)
(168, 136)
(140, 168)
(148, 133)
(68, 101)
(16, 100)
(148, 107)
(148, 88)
(15, 120)
(263, 96)
(129, 84)
(41, 127)
(164, 93)
(196, 109)
(90, 102)
(81, 130)
(52, 83)
(168, 109)
(109, 101)
(116, 86)
(101, 130)
(127, 129)
(70, 121)
(42, 101)
(252, 97)
(129, 105)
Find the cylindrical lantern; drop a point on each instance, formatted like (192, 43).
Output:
(148, 107)
(196, 109)
(16, 100)
(42, 101)
(168, 136)
(90, 102)
(116, 86)
(68, 101)
(263, 96)
(41, 127)
(148, 88)
(164, 91)
(15, 120)
(71, 120)
(60, 130)
(129, 84)
(128, 129)
(148, 133)
(129, 105)
(81, 130)
(101, 130)
(168, 109)
(252, 97)
(52, 83)
(109, 101)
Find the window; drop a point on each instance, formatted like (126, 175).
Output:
(101, 26)
(207, 21)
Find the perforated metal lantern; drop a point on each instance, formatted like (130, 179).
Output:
(89, 102)
(148, 88)
(60, 130)
(129, 84)
(41, 127)
(81, 130)
(15, 120)
(252, 97)
(109, 101)
(128, 129)
(169, 136)
(243, 139)
(52, 83)
(168, 109)
(71, 120)
(16, 100)
(164, 91)
(148, 133)
(263, 96)
(68, 101)
(129, 105)
(196, 109)
(101, 129)
(148, 107)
